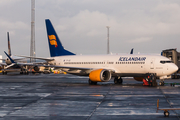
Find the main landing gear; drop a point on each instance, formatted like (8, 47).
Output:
(92, 83)
(118, 80)
(4, 72)
(24, 71)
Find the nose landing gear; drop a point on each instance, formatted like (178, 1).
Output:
(161, 83)
(150, 80)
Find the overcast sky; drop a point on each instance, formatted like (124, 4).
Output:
(148, 26)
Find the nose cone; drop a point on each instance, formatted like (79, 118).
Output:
(174, 68)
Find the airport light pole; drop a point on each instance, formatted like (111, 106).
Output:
(32, 48)
(107, 39)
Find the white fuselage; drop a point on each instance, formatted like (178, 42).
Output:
(122, 64)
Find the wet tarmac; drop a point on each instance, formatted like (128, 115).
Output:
(68, 97)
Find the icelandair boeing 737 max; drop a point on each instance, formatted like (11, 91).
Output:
(101, 68)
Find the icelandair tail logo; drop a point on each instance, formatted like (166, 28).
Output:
(132, 58)
(52, 40)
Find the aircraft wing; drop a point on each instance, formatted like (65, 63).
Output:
(19, 59)
(3, 64)
(40, 58)
(9, 66)
(45, 65)
(3, 59)
(16, 59)
(69, 69)
(17, 65)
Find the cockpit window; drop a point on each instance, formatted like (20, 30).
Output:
(163, 62)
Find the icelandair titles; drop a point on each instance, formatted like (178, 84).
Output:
(132, 58)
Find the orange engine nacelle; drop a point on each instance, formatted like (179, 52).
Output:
(138, 78)
(100, 75)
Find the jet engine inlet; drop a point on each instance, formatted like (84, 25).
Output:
(8, 61)
(36, 68)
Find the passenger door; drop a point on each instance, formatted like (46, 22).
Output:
(152, 63)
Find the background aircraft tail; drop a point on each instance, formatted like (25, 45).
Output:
(9, 47)
(55, 46)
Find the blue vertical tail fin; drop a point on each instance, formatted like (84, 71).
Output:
(55, 46)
